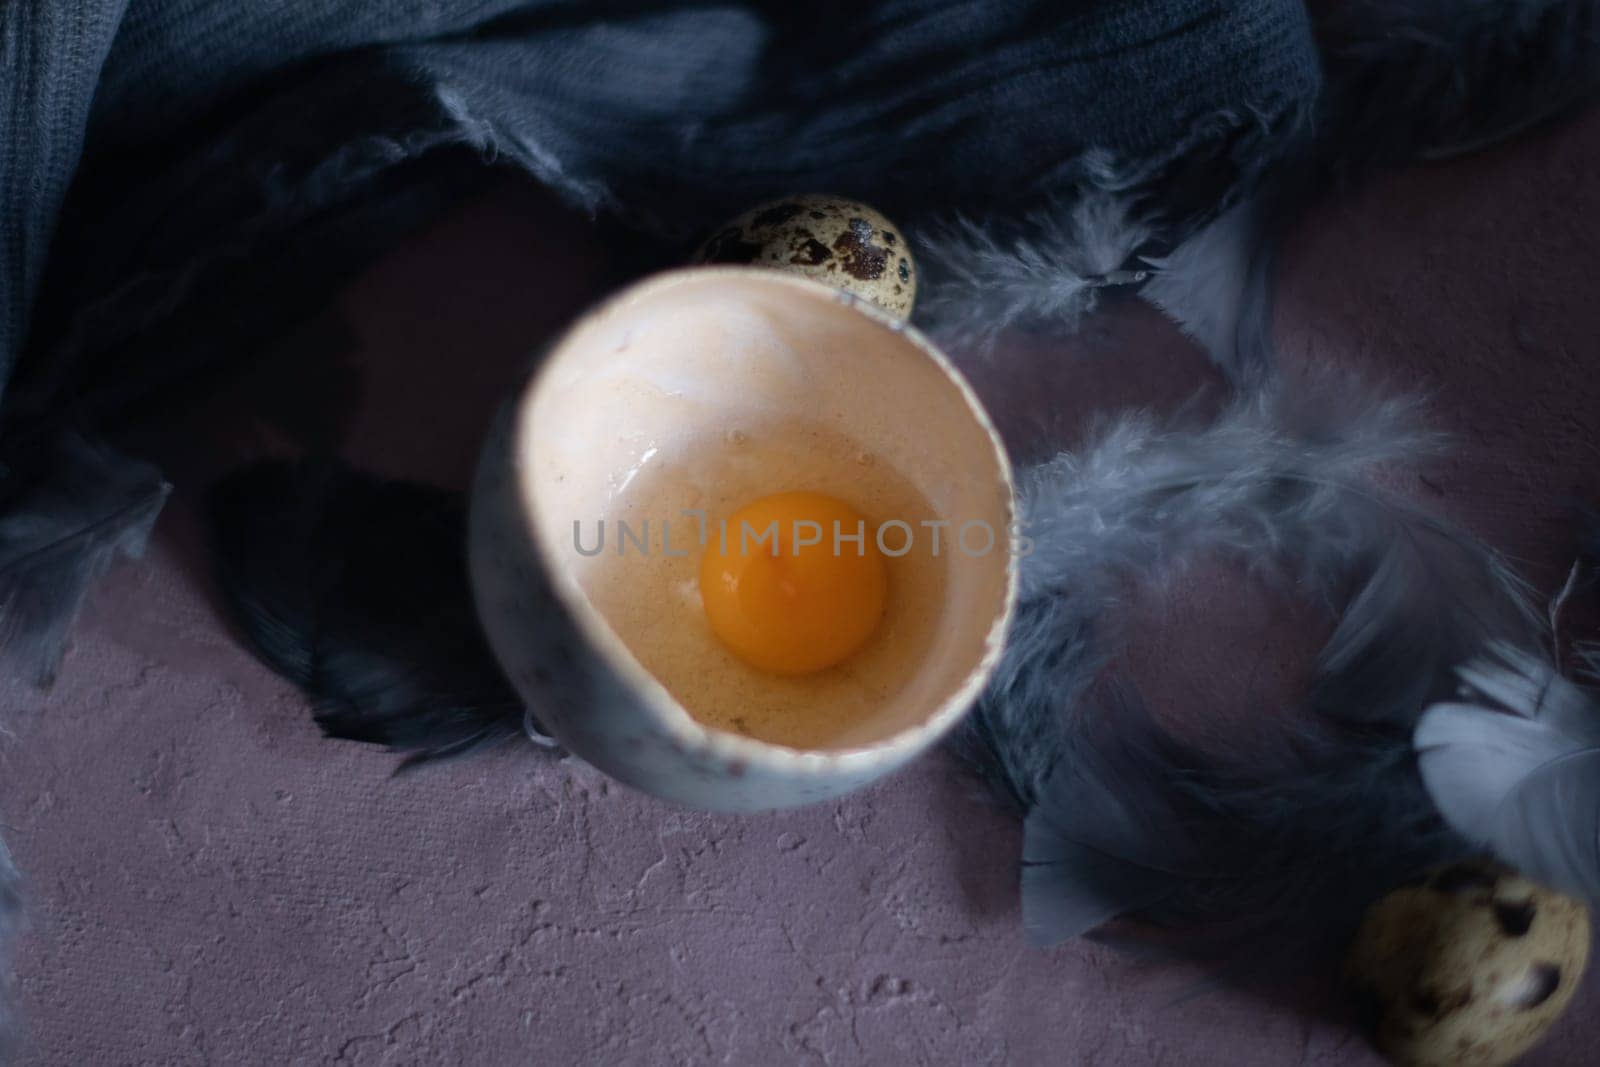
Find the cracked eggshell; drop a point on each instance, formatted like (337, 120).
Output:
(647, 376)
(838, 242)
(1468, 968)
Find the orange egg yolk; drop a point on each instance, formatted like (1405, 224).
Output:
(783, 594)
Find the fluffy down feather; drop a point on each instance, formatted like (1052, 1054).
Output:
(1044, 272)
(1405, 80)
(1123, 818)
(84, 504)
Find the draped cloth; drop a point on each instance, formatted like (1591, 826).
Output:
(179, 177)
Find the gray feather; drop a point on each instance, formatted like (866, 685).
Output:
(89, 505)
(1068, 886)
(1045, 272)
(1285, 846)
(1208, 286)
(1406, 79)
(1270, 474)
(1083, 860)
(1518, 768)
(1124, 819)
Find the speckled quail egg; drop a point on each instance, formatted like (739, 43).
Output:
(842, 243)
(1469, 967)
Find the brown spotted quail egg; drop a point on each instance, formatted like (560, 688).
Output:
(1470, 967)
(839, 242)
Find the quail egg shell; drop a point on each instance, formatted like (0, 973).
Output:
(1470, 967)
(841, 243)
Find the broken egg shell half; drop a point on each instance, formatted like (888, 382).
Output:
(687, 354)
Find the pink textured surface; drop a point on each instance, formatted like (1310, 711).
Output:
(210, 882)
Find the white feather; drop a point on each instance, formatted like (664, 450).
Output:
(1518, 769)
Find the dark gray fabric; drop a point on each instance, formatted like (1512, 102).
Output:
(50, 59)
(221, 129)
(181, 179)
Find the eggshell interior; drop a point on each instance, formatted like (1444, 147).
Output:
(661, 381)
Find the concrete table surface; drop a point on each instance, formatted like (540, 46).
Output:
(210, 881)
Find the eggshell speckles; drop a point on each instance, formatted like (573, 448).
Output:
(842, 243)
(1470, 967)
